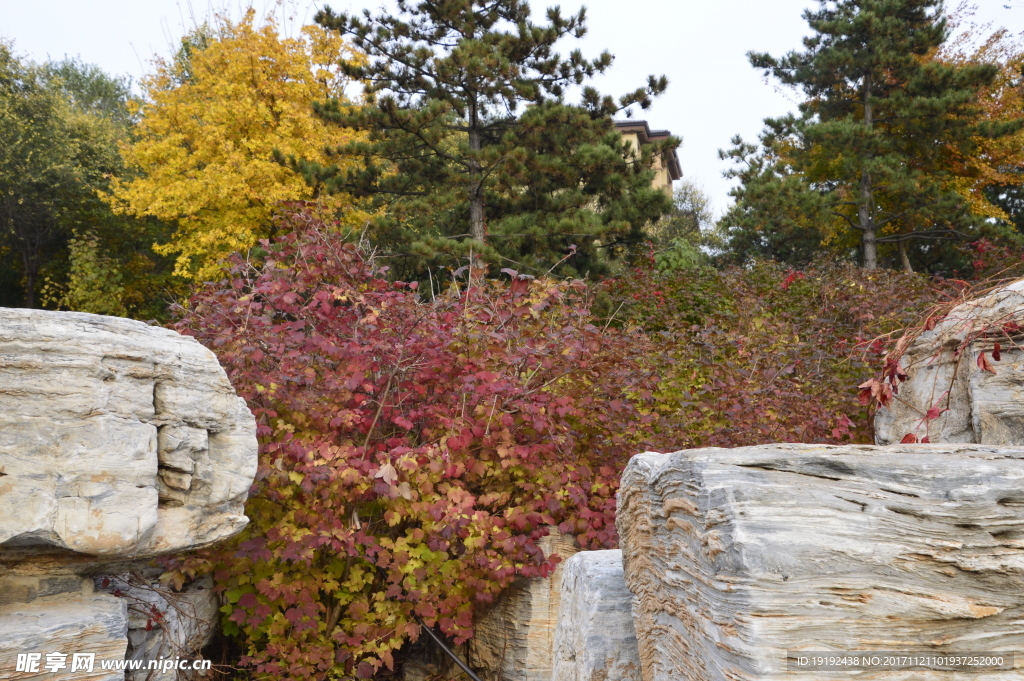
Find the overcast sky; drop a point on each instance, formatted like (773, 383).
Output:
(700, 45)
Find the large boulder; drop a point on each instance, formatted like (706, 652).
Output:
(969, 402)
(514, 639)
(595, 639)
(739, 559)
(117, 439)
(118, 442)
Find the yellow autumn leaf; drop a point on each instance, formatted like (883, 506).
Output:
(209, 127)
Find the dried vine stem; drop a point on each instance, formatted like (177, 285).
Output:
(957, 324)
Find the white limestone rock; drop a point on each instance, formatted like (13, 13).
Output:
(82, 623)
(979, 406)
(514, 639)
(595, 639)
(117, 439)
(737, 556)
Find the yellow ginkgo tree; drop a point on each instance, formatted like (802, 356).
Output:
(211, 121)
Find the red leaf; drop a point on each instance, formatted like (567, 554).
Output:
(520, 285)
(996, 354)
(909, 439)
(925, 440)
(984, 364)
(934, 413)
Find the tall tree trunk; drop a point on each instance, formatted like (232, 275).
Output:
(30, 287)
(867, 223)
(31, 243)
(866, 211)
(904, 259)
(476, 206)
(476, 190)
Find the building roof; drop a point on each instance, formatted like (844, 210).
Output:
(645, 135)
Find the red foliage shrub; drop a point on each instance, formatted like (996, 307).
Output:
(763, 354)
(411, 452)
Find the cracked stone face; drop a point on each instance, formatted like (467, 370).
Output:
(514, 637)
(117, 439)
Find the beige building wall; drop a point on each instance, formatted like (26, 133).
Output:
(666, 168)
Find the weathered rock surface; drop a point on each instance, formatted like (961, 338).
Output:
(118, 442)
(981, 407)
(80, 622)
(515, 638)
(737, 556)
(595, 639)
(116, 438)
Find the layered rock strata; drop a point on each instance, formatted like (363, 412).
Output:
(739, 558)
(970, 403)
(118, 442)
(514, 639)
(54, 628)
(595, 639)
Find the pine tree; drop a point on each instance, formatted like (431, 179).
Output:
(777, 213)
(472, 147)
(881, 120)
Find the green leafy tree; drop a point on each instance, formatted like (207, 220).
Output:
(882, 124)
(94, 282)
(471, 145)
(777, 213)
(678, 237)
(38, 172)
(690, 218)
(60, 127)
(91, 90)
